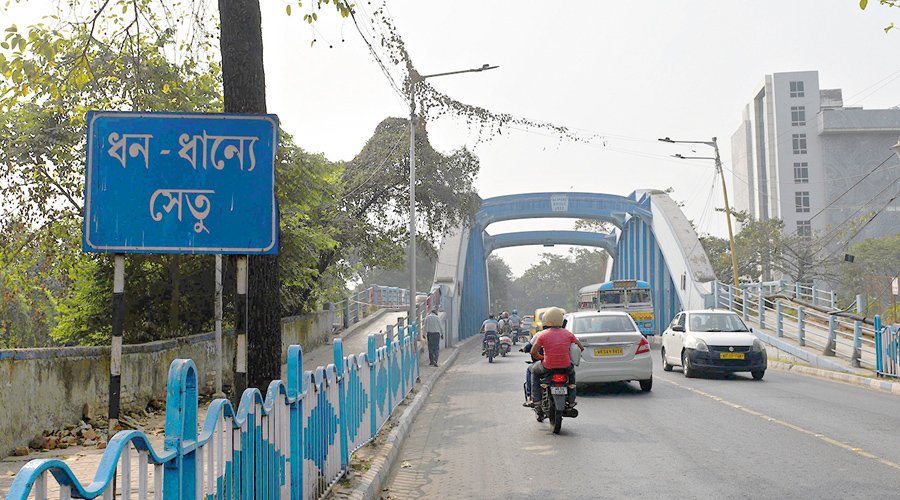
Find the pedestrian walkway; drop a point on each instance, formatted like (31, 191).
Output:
(811, 350)
(84, 461)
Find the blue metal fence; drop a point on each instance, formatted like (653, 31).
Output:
(293, 444)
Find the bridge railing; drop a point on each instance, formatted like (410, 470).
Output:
(887, 342)
(293, 444)
(831, 334)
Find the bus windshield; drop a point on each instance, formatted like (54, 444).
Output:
(611, 297)
(638, 296)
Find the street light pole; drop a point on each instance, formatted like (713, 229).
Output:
(718, 160)
(415, 77)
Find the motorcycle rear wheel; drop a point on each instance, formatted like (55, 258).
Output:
(555, 419)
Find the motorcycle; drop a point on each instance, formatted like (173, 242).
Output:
(491, 346)
(521, 335)
(505, 344)
(555, 389)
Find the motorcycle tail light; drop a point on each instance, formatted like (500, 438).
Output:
(643, 347)
(559, 378)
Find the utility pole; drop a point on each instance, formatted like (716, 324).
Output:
(718, 161)
(415, 77)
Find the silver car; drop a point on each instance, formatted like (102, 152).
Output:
(614, 349)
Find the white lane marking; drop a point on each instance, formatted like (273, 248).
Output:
(858, 451)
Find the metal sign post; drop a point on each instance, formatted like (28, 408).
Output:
(115, 354)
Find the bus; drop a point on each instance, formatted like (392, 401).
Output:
(632, 296)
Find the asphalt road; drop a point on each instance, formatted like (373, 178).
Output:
(788, 436)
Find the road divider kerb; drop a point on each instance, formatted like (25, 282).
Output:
(849, 378)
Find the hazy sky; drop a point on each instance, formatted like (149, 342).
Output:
(627, 72)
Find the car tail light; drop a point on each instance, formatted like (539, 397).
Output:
(559, 378)
(643, 347)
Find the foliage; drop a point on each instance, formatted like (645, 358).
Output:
(594, 226)
(399, 276)
(369, 220)
(49, 78)
(873, 258)
(762, 249)
(890, 3)
(555, 281)
(307, 191)
(500, 282)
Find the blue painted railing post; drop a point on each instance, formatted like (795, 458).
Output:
(762, 308)
(879, 355)
(857, 344)
(745, 299)
(341, 381)
(779, 319)
(859, 304)
(346, 312)
(834, 299)
(295, 392)
(373, 382)
(832, 336)
(815, 295)
(415, 356)
(179, 476)
(401, 341)
(731, 297)
(389, 349)
(801, 319)
(798, 289)
(716, 293)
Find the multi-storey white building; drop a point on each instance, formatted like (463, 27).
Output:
(802, 156)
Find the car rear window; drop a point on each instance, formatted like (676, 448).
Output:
(603, 324)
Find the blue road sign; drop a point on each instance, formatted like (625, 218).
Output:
(180, 183)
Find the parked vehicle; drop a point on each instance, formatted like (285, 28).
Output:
(614, 348)
(555, 389)
(712, 341)
(491, 346)
(505, 344)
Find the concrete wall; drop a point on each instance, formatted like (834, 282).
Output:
(44, 389)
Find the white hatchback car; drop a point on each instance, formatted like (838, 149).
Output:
(614, 349)
(712, 341)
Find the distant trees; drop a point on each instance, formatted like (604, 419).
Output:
(555, 280)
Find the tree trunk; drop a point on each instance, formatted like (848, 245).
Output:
(244, 90)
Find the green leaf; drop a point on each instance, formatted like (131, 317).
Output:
(863, 3)
(289, 10)
(4, 45)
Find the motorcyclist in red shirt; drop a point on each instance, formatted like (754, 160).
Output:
(556, 341)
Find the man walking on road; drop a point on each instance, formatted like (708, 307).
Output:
(434, 329)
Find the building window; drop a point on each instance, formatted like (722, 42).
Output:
(804, 228)
(801, 201)
(801, 173)
(798, 116)
(797, 89)
(799, 142)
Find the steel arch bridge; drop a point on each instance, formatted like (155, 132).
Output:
(653, 241)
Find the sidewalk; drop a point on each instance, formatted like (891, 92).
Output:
(786, 354)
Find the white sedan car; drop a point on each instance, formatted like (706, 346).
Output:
(712, 341)
(614, 349)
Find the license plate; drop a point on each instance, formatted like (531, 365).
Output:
(490, 344)
(608, 351)
(559, 390)
(731, 355)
